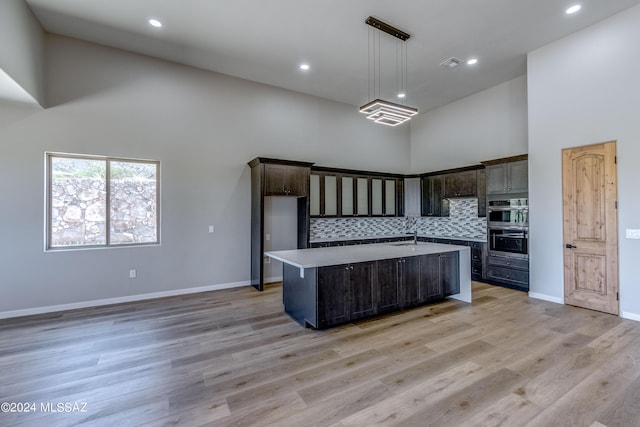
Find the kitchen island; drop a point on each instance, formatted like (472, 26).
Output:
(323, 287)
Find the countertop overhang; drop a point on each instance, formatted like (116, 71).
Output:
(322, 257)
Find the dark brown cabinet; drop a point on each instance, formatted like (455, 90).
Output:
(323, 194)
(285, 180)
(349, 193)
(346, 292)
(482, 193)
(389, 285)
(508, 271)
(334, 306)
(411, 281)
(439, 187)
(337, 294)
(362, 290)
(461, 184)
(273, 177)
(449, 273)
(432, 196)
(508, 178)
(398, 281)
(430, 278)
(478, 254)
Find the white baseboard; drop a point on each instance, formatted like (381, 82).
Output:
(273, 279)
(546, 297)
(119, 300)
(630, 316)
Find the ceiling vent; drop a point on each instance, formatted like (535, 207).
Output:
(450, 63)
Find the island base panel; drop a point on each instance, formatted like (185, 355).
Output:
(299, 295)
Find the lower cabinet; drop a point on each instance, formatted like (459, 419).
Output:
(509, 272)
(363, 293)
(334, 305)
(431, 285)
(389, 285)
(449, 273)
(346, 292)
(355, 291)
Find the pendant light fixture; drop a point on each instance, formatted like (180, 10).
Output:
(381, 111)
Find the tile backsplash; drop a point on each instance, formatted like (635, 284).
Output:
(462, 222)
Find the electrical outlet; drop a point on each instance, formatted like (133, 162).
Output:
(267, 237)
(211, 228)
(267, 260)
(132, 274)
(633, 234)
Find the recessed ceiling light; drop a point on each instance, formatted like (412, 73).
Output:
(304, 67)
(402, 95)
(573, 9)
(155, 23)
(472, 61)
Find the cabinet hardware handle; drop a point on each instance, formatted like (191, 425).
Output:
(570, 246)
(351, 268)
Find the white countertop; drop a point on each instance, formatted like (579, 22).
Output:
(392, 236)
(321, 257)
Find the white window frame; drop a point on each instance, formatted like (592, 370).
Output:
(107, 159)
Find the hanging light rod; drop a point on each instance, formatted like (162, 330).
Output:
(389, 29)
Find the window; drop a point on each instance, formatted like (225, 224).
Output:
(101, 201)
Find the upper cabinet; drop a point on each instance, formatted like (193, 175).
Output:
(345, 193)
(285, 180)
(439, 187)
(323, 194)
(461, 184)
(507, 177)
(412, 196)
(432, 196)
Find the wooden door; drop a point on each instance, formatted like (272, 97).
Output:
(589, 186)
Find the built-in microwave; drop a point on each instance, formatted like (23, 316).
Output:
(509, 240)
(508, 212)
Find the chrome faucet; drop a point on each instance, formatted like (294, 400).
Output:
(412, 222)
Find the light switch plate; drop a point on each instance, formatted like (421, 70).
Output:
(633, 234)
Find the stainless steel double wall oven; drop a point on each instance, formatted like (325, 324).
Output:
(508, 226)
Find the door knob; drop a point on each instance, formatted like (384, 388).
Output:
(570, 246)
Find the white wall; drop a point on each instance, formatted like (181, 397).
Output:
(584, 89)
(487, 125)
(21, 51)
(203, 127)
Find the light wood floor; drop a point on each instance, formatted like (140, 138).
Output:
(233, 358)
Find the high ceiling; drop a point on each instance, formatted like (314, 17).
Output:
(266, 40)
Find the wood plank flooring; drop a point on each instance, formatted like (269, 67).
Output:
(233, 358)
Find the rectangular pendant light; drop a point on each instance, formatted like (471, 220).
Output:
(388, 113)
(381, 111)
